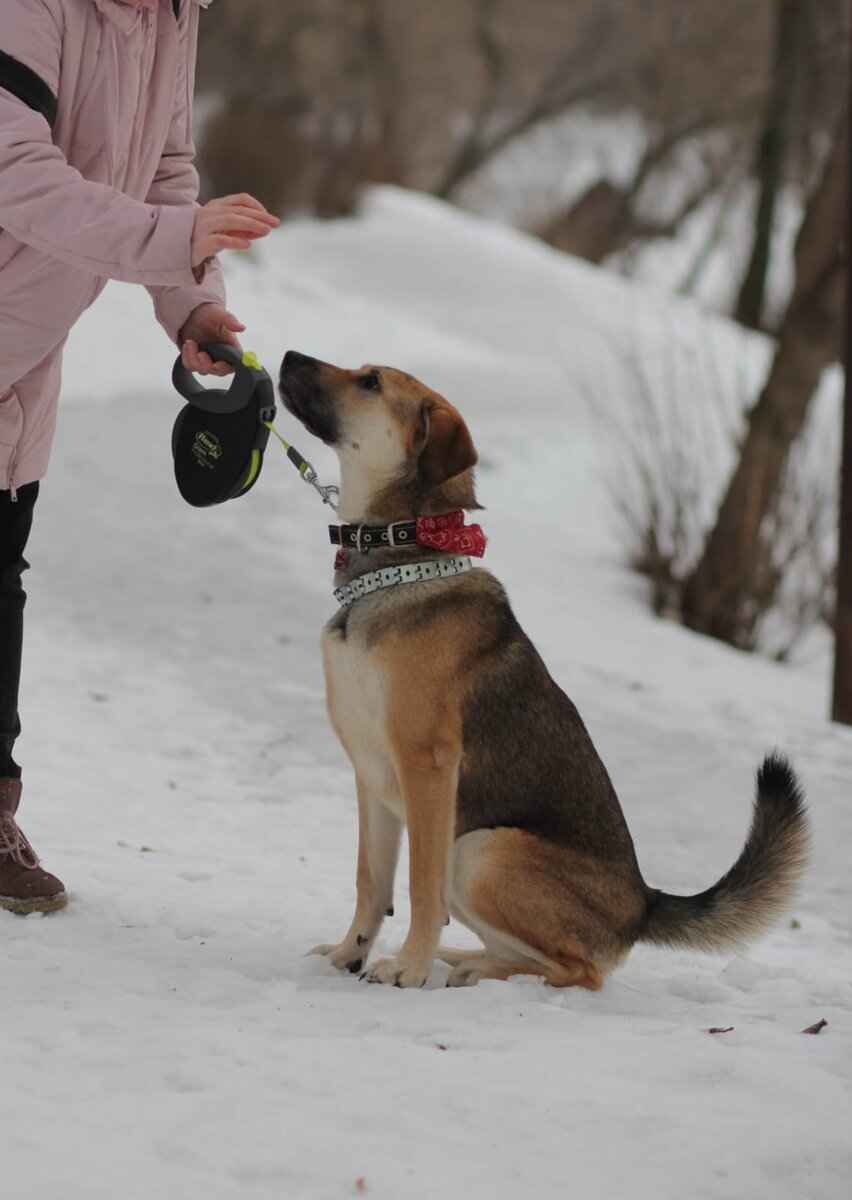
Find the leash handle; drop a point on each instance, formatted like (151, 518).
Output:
(249, 378)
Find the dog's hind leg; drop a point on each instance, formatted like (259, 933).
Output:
(379, 832)
(471, 970)
(455, 957)
(523, 896)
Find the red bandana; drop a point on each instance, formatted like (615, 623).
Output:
(445, 532)
(449, 532)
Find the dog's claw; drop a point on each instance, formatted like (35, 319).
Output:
(342, 955)
(397, 973)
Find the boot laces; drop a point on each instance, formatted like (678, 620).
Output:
(13, 843)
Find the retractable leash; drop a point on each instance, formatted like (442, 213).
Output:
(220, 435)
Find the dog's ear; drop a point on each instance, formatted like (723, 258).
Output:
(448, 448)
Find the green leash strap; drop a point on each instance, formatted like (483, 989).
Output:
(329, 493)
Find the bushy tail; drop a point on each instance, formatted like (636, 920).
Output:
(758, 887)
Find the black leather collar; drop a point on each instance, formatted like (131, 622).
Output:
(374, 537)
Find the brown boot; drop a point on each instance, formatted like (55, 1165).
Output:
(24, 886)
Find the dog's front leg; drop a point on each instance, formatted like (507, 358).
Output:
(428, 780)
(378, 849)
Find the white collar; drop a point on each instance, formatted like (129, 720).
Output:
(419, 572)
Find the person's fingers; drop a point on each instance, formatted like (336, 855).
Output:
(189, 355)
(205, 248)
(220, 226)
(226, 215)
(218, 218)
(252, 235)
(217, 325)
(234, 222)
(229, 338)
(218, 367)
(229, 321)
(221, 241)
(261, 215)
(199, 361)
(238, 200)
(249, 201)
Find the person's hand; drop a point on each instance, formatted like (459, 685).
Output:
(208, 323)
(229, 223)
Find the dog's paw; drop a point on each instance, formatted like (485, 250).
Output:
(466, 973)
(346, 956)
(397, 972)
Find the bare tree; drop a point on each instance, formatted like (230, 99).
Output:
(719, 597)
(841, 709)
(791, 26)
(609, 217)
(567, 82)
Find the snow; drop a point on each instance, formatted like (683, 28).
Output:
(165, 1035)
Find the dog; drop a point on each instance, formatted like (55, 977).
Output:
(456, 730)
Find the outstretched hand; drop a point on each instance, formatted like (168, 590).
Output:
(229, 223)
(208, 323)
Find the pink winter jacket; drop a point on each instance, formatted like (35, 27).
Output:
(108, 193)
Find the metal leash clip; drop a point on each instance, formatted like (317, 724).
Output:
(325, 490)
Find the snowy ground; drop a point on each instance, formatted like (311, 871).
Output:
(165, 1036)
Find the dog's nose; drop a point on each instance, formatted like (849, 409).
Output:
(294, 359)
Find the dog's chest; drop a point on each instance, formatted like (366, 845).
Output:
(356, 694)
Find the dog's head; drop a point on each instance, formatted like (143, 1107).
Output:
(403, 449)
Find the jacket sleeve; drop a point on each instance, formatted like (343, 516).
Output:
(47, 204)
(176, 183)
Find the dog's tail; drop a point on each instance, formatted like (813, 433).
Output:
(758, 887)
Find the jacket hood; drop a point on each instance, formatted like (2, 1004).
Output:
(127, 16)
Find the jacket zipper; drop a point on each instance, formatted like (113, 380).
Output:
(146, 31)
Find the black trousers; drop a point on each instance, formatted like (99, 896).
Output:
(16, 519)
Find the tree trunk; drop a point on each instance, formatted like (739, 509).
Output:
(594, 226)
(841, 707)
(769, 168)
(725, 594)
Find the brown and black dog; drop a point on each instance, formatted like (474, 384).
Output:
(455, 728)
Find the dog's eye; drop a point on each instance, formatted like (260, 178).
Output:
(370, 382)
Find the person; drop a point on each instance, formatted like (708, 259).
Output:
(96, 182)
